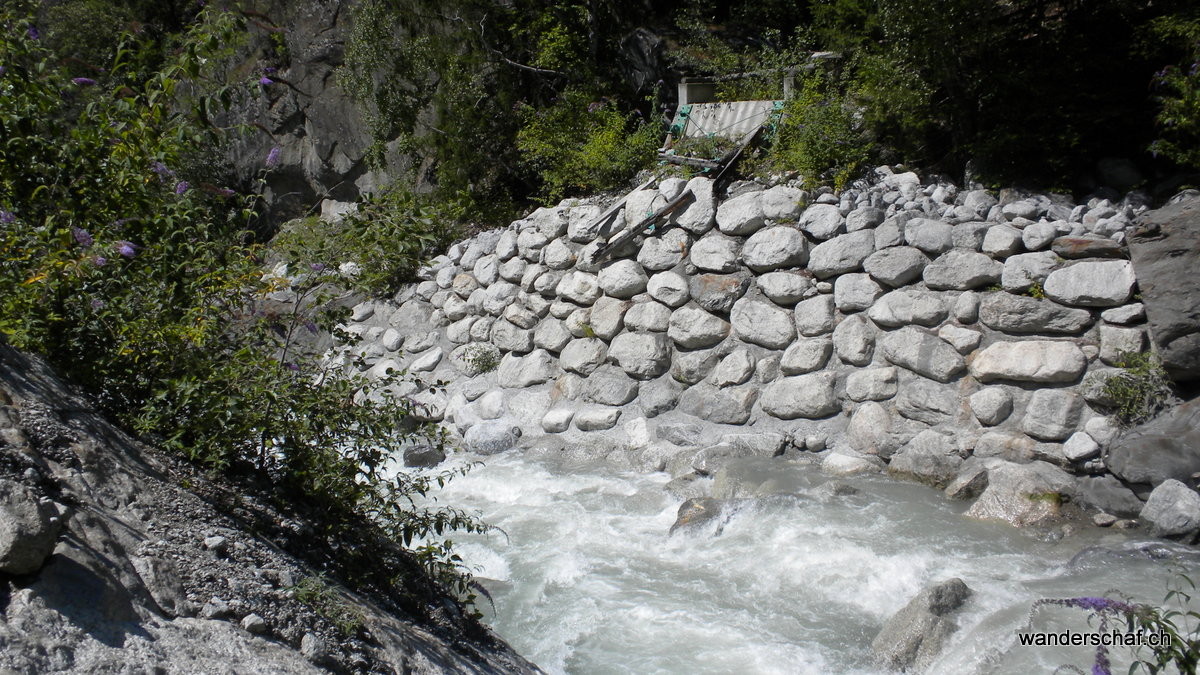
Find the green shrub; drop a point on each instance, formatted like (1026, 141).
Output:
(1141, 391)
(385, 240)
(1178, 93)
(136, 279)
(820, 136)
(581, 145)
(316, 592)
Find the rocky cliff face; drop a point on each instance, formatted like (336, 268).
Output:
(108, 565)
(945, 336)
(321, 135)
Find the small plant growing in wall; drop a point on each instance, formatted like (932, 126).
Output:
(480, 359)
(1141, 390)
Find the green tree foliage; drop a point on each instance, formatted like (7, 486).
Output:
(1177, 88)
(820, 136)
(581, 145)
(455, 82)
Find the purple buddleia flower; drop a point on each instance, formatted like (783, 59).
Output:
(181, 187)
(7, 217)
(1099, 604)
(83, 81)
(161, 169)
(594, 106)
(99, 261)
(311, 326)
(127, 248)
(32, 33)
(269, 69)
(82, 237)
(226, 192)
(273, 157)
(264, 80)
(2, 69)
(291, 366)
(97, 304)
(317, 267)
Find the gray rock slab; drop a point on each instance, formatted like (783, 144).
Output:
(641, 355)
(669, 288)
(808, 396)
(806, 355)
(931, 457)
(934, 237)
(908, 306)
(854, 340)
(1108, 495)
(773, 248)
(731, 405)
(1023, 495)
(1052, 414)
(871, 384)
(814, 316)
(1167, 447)
(822, 221)
(741, 215)
(785, 288)
(961, 270)
(855, 292)
(1022, 271)
(716, 253)
(583, 355)
(1164, 251)
(1019, 314)
(1041, 361)
(763, 323)
(1101, 283)
(694, 328)
(913, 637)
(896, 266)
(991, 405)
(1172, 510)
(842, 254)
(923, 353)
(928, 402)
(718, 292)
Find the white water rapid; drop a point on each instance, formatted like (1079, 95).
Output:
(587, 579)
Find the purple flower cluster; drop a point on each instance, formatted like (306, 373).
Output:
(82, 237)
(264, 80)
(83, 81)
(32, 33)
(273, 156)
(127, 248)
(1098, 604)
(7, 217)
(181, 187)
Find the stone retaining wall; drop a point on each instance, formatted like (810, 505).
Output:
(946, 336)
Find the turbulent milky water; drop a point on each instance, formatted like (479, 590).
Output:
(587, 579)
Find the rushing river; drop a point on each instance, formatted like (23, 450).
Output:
(585, 578)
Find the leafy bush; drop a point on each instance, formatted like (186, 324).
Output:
(820, 136)
(1178, 87)
(1141, 391)
(582, 145)
(136, 279)
(385, 240)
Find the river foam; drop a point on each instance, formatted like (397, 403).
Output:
(585, 578)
